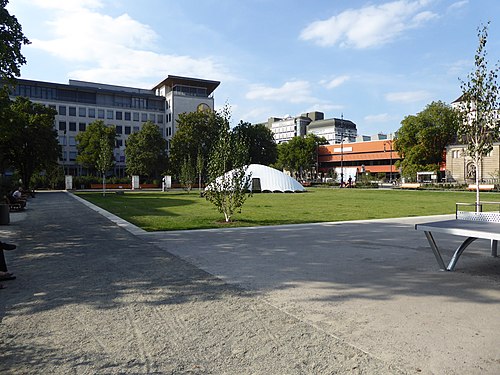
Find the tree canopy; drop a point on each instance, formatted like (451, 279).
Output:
(262, 148)
(11, 41)
(146, 153)
(28, 140)
(90, 145)
(479, 107)
(422, 138)
(299, 154)
(196, 134)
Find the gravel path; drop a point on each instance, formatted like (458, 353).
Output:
(91, 298)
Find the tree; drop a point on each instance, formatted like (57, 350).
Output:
(104, 160)
(479, 107)
(90, 145)
(28, 140)
(146, 153)
(11, 41)
(187, 175)
(196, 134)
(228, 186)
(260, 140)
(200, 163)
(299, 154)
(422, 138)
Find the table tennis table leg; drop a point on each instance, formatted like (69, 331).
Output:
(458, 252)
(435, 250)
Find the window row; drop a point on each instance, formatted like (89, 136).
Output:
(81, 126)
(111, 114)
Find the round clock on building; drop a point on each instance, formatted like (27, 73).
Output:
(203, 107)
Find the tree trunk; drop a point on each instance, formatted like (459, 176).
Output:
(477, 161)
(103, 185)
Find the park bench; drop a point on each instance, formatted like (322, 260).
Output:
(472, 225)
(15, 205)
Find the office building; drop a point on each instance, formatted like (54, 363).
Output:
(334, 130)
(80, 103)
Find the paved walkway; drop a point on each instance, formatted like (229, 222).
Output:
(95, 296)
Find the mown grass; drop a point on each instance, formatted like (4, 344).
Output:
(157, 211)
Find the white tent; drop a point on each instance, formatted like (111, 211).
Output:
(268, 179)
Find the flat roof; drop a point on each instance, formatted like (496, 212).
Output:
(93, 87)
(172, 81)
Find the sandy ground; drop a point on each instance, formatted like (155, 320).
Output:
(96, 297)
(91, 298)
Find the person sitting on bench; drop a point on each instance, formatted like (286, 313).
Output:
(16, 198)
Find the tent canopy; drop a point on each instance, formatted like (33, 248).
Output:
(267, 179)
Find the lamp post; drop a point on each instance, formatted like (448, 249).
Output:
(341, 150)
(390, 165)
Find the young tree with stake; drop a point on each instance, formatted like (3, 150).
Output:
(480, 125)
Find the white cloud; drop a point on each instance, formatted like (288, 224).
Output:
(460, 68)
(326, 108)
(458, 5)
(118, 50)
(407, 96)
(293, 92)
(382, 117)
(66, 5)
(255, 115)
(335, 82)
(369, 26)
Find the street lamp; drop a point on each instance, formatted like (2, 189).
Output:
(390, 153)
(341, 150)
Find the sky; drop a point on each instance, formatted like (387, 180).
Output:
(372, 62)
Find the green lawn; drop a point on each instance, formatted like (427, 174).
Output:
(155, 211)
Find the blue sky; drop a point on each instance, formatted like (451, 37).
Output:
(375, 62)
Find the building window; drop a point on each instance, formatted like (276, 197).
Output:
(52, 106)
(118, 115)
(127, 116)
(152, 117)
(62, 110)
(109, 114)
(119, 129)
(127, 129)
(100, 113)
(144, 117)
(72, 141)
(72, 155)
(72, 111)
(82, 126)
(160, 119)
(62, 140)
(92, 112)
(72, 126)
(136, 129)
(119, 143)
(136, 116)
(62, 125)
(82, 111)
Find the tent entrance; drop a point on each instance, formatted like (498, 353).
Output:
(256, 185)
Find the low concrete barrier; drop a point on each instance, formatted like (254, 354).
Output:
(411, 186)
(482, 187)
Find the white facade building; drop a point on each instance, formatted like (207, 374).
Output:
(125, 108)
(334, 130)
